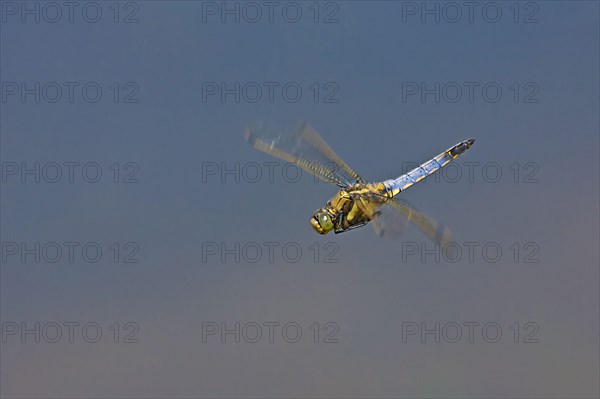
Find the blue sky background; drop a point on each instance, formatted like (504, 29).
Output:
(169, 55)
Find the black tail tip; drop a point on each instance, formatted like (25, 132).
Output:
(470, 142)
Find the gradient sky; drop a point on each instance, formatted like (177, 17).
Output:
(365, 60)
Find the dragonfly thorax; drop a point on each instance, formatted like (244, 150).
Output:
(339, 214)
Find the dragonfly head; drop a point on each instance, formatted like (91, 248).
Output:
(322, 221)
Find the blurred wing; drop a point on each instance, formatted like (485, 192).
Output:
(386, 221)
(391, 217)
(436, 231)
(389, 223)
(304, 147)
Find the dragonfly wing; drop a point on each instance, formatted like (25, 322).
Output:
(390, 216)
(382, 222)
(386, 221)
(434, 230)
(304, 147)
(389, 223)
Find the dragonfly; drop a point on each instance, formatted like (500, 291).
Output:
(357, 202)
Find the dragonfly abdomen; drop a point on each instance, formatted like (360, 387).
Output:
(394, 186)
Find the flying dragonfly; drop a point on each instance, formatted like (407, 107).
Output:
(358, 202)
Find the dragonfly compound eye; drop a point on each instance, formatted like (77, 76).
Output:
(325, 221)
(321, 222)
